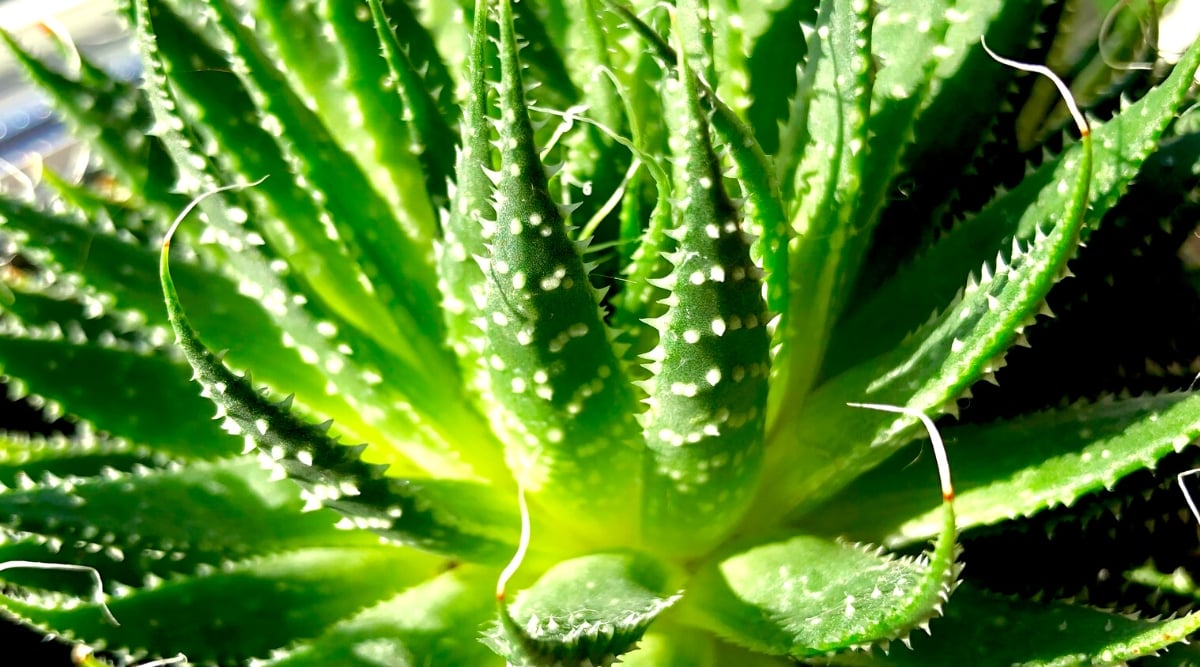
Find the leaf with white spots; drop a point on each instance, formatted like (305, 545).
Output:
(980, 628)
(393, 253)
(962, 117)
(122, 523)
(316, 587)
(287, 212)
(106, 283)
(543, 54)
(460, 278)
(429, 624)
(929, 371)
(53, 369)
(424, 412)
(33, 456)
(708, 390)
(1015, 468)
(334, 56)
(763, 216)
(828, 137)
(1121, 146)
(60, 367)
(807, 596)
(563, 620)
(445, 516)
(562, 402)
(306, 226)
(429, 127)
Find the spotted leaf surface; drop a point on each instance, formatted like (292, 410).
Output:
(704, 425)
(807, 596)
(412, 511)
(567, 410)
(1064, 635)
(1121, 146)
(1019, 467)
(422, 622)
(592, 283)
(558, 620)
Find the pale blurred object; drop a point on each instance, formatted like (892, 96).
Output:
(1178, 29)
(30, 135)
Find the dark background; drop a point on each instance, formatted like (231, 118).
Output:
(15, 640)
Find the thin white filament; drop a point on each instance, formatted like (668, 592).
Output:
(179, 659)
(522, 545)
(199, 198)
(568, 123)
(590, 228)
(1068, 98)
(97, 582)
(935, 438)
(1187, 495)
(82, 655)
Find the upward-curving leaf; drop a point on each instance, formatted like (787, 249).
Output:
(442, 516)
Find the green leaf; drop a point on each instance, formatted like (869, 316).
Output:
(393, 252)
(929, 370)
(560, 619)
(217, 614)
(828, 136)
(427, 426)
(705, 422)
(807, 596)
(440, 515)
(24, 457)
(763, 217)
(433, 623)
(1015, 468)
(236, 513)
(773, 66)
(153, 403)
(462, 232)
(1121, 145)
(431, 130)
(561, 399)
(287, 213)
(983, 629)
(313, 40)
(101, 271)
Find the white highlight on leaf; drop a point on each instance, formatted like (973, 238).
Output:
(935, 438)
(98, 588)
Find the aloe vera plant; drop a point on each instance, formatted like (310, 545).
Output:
(574, 297)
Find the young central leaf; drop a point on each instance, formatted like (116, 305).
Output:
(706, 418)
(565, 407)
